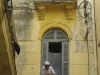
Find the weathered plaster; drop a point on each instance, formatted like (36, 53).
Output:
(30, 32)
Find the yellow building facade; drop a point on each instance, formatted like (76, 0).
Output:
(37, 22)
(33, 20)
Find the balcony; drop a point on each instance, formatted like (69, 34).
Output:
(45, 2)
(54, 0)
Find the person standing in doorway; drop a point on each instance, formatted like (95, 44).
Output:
(47, 69)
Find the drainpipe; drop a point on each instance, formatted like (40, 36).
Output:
(94, 38)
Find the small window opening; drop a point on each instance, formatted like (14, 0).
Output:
(55, 47)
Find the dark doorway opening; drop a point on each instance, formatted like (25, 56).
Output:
(55, 47)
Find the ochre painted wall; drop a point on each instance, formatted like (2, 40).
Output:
(30, 31)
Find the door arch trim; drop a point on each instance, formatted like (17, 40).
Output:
(54, 25)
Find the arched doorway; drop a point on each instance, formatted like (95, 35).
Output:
(55, 49)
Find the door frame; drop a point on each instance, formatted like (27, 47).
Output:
(54, 40)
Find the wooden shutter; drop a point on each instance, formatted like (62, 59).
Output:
(44, 52)
(65, 58)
